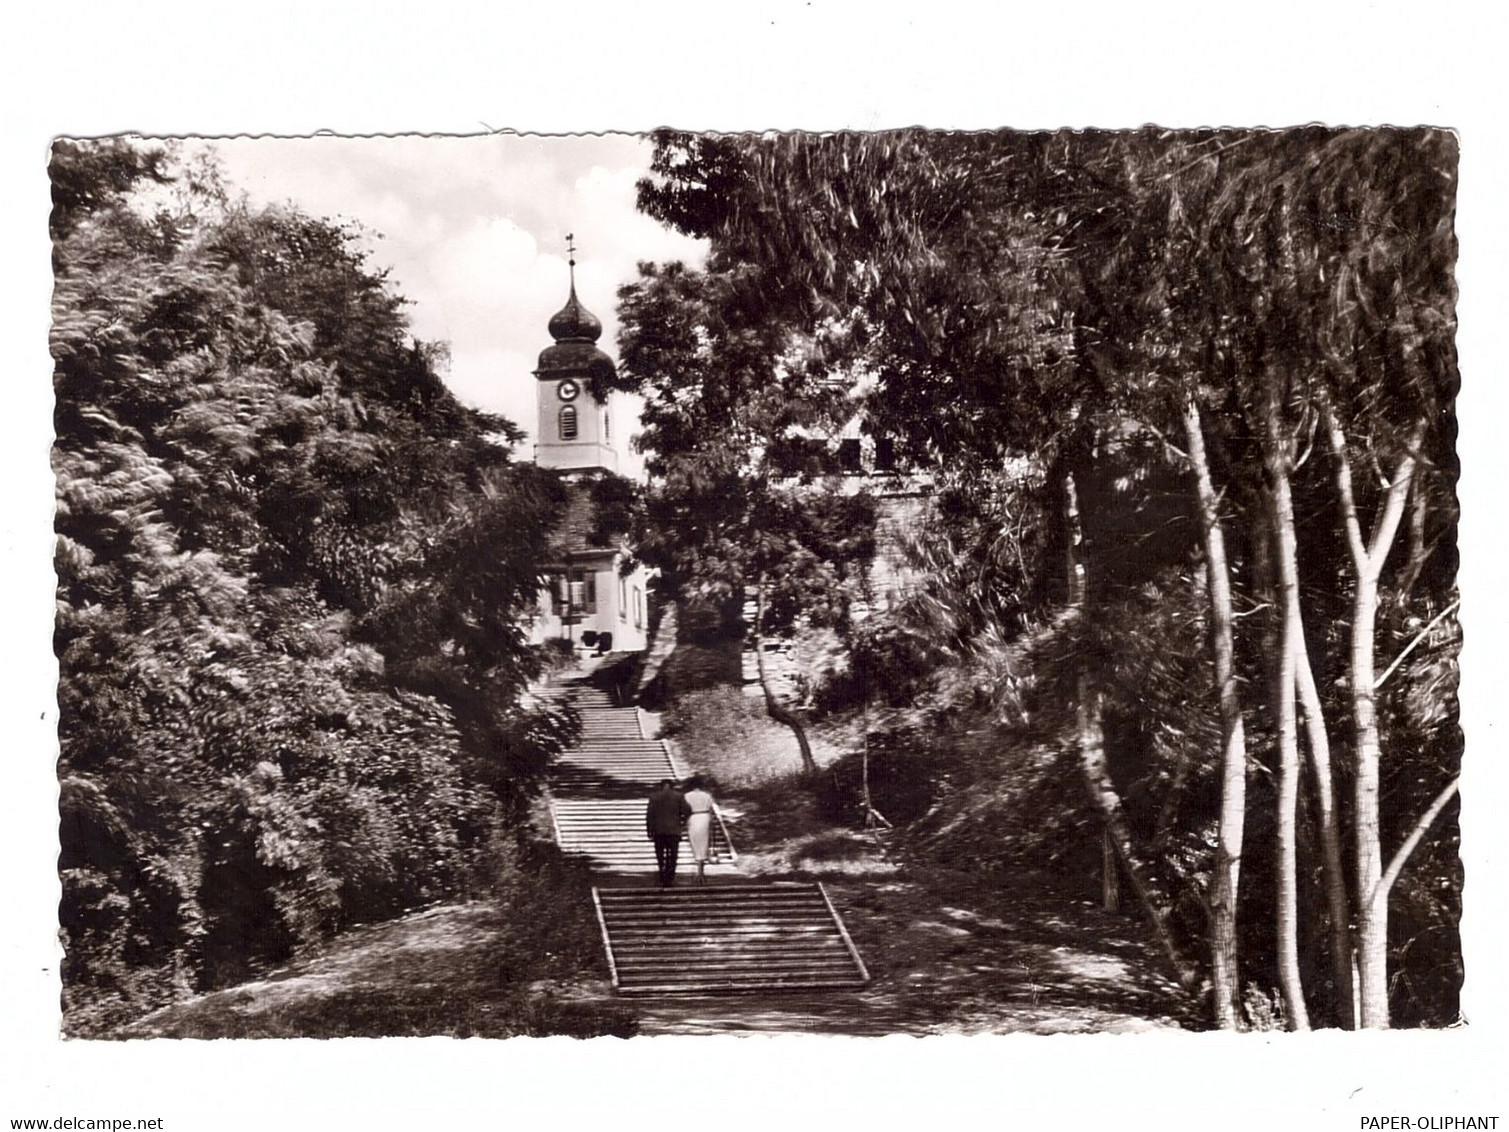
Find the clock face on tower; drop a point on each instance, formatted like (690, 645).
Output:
(567, 391)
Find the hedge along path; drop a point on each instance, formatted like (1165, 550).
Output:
(733, 935)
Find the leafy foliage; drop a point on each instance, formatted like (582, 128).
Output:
(291, 574)
(734, 403)
(1017, 311)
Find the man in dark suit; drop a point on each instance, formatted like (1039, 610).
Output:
(663, 819)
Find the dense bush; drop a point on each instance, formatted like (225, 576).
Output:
(291, 572)
(494, 968)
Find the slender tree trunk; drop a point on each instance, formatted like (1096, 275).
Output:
(1225, 972)
(1110, 879)
(1367, 563)
(773, 707)
(864, 769)
(1408, 845)
(1092, 756)
(1372, 915)
(1415, 643)
(874, 819)
(1419, 549)
(1074, 566)
(1286, 913)
(1338, 905)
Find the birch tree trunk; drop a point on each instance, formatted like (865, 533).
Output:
(1286, 912)
(1367, 565)
(1338, 904)
(773, 707)
(1225, 972)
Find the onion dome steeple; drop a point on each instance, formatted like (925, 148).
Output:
(574, 320)
(576, 331)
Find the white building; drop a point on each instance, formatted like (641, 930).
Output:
(588, 601)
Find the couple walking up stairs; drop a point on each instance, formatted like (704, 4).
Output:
(735, 934)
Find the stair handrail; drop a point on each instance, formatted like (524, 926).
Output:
(602, 925)
(670, 755)
(864, 971)
(555, 825)
(733, 854)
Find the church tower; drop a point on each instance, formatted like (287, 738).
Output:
(574, 427)
(591, 598)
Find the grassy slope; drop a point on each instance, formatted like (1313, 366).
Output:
(952, 945)
(527, 962)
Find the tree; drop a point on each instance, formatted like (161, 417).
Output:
(1064, 294)
(737, 504)
(963, 298)
(1226, 870)
(96, 176)
(257, 470)
(1353, 301)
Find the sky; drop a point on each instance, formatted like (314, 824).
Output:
(473, 231)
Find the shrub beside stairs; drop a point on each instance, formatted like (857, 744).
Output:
(733, 935)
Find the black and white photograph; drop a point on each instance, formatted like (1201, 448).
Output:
(717, 595)
(997, 581)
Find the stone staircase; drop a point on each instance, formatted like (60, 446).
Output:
(725, 939)
(609, 835)
(733, 935)
(600, 787)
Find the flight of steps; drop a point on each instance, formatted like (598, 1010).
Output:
(612, 759)
(732, 935)
(610, 835)
(621, 768)
(726, 938)
(600, 786)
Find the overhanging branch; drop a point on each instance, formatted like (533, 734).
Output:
(1402, 854)
(1409, 648)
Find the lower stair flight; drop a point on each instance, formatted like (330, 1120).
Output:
(733, 935)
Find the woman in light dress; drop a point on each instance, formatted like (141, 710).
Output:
(699, 827)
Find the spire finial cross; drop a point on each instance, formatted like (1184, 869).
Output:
(571, 258)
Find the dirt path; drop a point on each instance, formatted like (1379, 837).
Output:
(948, 950)
(946, 956)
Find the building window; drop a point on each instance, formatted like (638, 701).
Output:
(568, 422)
(623, 599)
(849, 455)
(574, 594)
(606, 434)
(638, 609)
